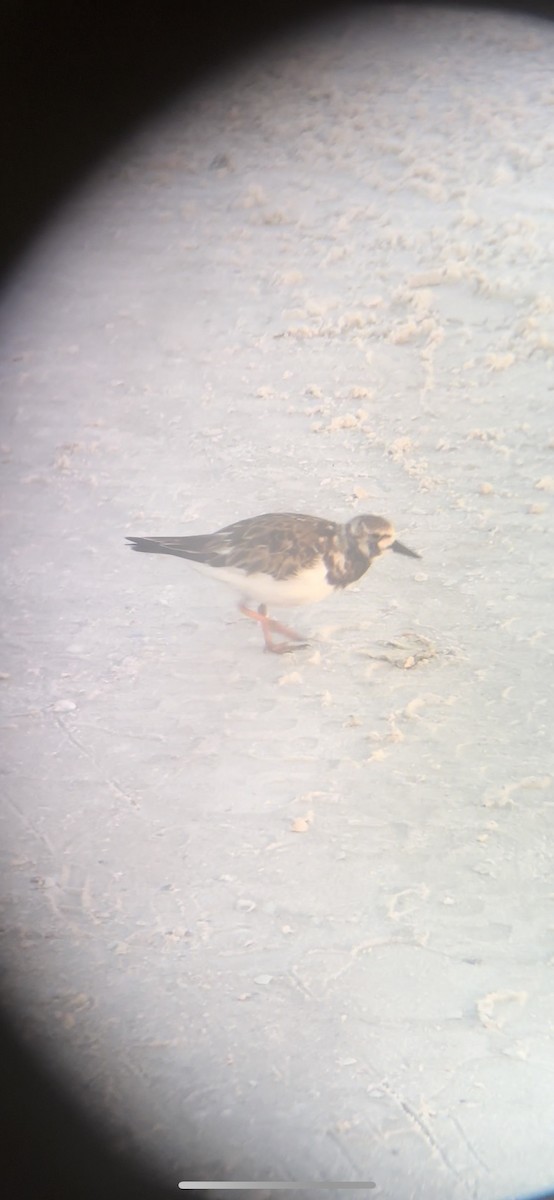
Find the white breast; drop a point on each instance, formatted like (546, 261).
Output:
(305, 588)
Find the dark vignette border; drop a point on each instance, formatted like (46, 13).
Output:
(75, 78)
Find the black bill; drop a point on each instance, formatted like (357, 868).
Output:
(400, 549)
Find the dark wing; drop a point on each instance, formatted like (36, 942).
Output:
(277, 543)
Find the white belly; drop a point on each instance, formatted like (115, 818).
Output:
(306, 588)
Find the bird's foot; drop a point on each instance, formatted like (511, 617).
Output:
(269, 626)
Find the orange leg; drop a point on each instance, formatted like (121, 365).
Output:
(269, 626)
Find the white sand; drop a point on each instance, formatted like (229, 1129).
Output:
(297, 913)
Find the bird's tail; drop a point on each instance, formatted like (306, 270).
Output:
(183, 547)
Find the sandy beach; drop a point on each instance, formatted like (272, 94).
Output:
(293, 918)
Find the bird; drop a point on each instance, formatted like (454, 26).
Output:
(286, 559)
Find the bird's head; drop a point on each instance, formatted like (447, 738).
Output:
(374, 535)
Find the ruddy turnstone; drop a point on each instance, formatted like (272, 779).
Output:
(283, 559)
